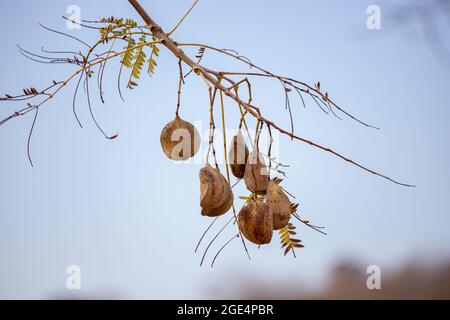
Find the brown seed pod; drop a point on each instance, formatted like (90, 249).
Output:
(256, 222)
(216, 212)
(180, 140)
(279, 203)
(238, 155)
(211, 187)
(256, 173)
(216, 196)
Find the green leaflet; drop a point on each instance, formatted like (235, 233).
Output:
(128, 56)
(135, 56)
(137, 67)
(116, 28)
(137, 63)
(151, 61)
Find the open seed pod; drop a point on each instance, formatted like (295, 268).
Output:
(238, 155)
(279, 203)
(216, 197)
(256, 174)
(180, 140)
(256, 222)
(216, 212)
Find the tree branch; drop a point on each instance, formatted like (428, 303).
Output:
(213, 77)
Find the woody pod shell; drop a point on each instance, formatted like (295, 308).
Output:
(238, 155)
(256, 222)
(216, 196)
(180, 140)
(256, 173)
(279, 203)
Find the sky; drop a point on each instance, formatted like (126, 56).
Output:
(130, 218)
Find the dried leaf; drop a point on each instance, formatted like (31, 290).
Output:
(289, 248)
(287, 242)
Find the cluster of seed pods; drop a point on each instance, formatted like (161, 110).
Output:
(266, 210)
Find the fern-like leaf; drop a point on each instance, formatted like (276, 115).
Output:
(288, 243)
(136, 63)
(151, 61)
(116, 27)
(139, 63)
(127, 59)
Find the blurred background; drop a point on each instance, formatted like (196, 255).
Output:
(130, 218)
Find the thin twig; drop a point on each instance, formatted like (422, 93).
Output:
(228, 170)
(204, 234)
(221, 249)
(64, 34)
(29, 137)
(214, 239)
(182, 19)
(180, 84)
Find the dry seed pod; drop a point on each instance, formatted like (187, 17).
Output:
(211, 188)
(279, 203)
(206, 185)
(180, 140)
(256, 173)
(216, 212)
(216, 197)
(256, 222)
(238, 155)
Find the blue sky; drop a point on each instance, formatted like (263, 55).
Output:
(130, 218)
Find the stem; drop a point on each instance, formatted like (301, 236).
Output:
(228, 173)
(60, 85)
(180, 83)
(208, 75)
(184, 17)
